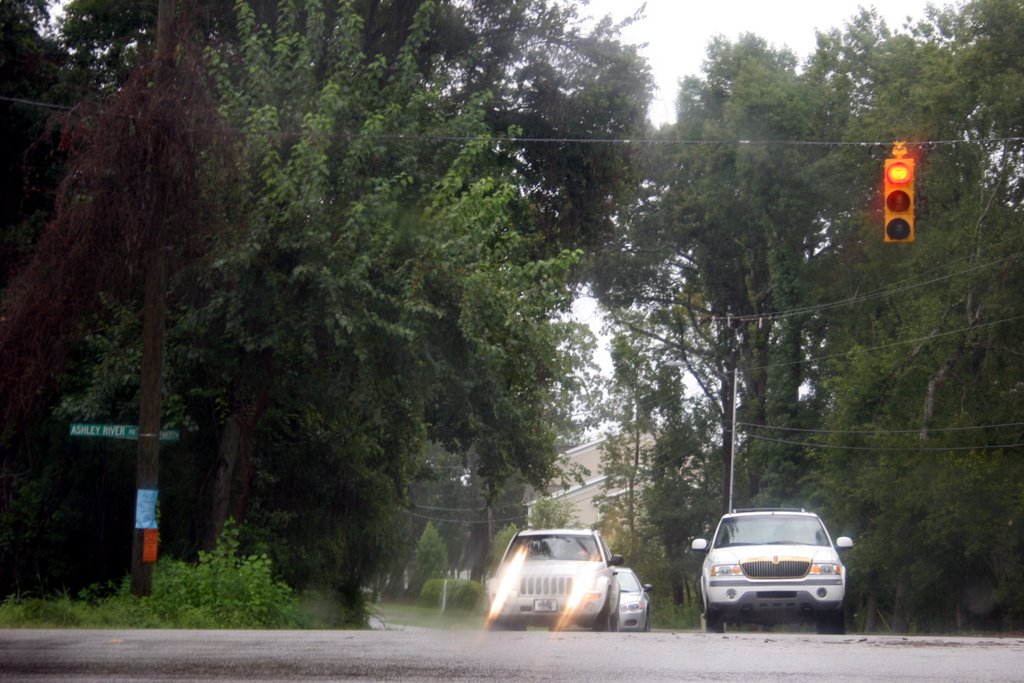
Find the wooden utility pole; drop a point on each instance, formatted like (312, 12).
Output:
(153, 316)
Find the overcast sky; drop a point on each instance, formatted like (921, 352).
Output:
(677, 31)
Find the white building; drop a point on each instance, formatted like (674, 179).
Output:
(581, 496)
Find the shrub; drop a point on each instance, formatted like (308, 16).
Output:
(430, 561)
(498, 546)
(683, 617)
(463, 595)
(224, 590)
(58, 612)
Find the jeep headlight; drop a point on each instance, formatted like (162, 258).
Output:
(827, 568)
(586, 588)
(726, 570)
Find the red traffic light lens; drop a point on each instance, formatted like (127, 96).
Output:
(897, 201)
(898, 173)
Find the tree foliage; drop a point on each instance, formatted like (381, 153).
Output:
(382, 210)
(430, 560)
(878, 383)
(382, 284)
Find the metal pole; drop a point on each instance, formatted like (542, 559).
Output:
(732, 437)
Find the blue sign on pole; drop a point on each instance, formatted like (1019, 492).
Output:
(145, 509)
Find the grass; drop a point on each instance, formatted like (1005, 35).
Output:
(401, 615)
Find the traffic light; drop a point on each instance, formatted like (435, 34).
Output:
(899, 197)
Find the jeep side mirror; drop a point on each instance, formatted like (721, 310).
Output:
(844, 543)
(699, 545)
(616, 560)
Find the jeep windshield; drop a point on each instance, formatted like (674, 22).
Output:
(770, 530)
(557, 547)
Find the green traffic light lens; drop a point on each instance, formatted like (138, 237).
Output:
(897, 229)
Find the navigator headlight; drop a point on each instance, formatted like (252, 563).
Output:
(726, 570)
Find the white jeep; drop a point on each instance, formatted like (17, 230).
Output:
(555, 578)
(773, 566)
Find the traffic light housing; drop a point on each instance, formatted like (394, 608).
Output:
(899, 199)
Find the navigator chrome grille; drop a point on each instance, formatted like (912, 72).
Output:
(776, 569)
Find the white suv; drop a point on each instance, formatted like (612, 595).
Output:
(773, 566)
(555, 578)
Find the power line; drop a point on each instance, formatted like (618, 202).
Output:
(476, 509)
(889, 345)
(869, 296)
(888, 449)
(34, 103)
(431, 518)
(422, 137)
(877, 431)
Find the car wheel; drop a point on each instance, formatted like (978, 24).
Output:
(497, 625)
(647, 622)
(713, 623)
(832, 623)
(603, 620)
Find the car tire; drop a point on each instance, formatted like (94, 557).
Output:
(832, 623)
(506, 625)
(713, 623)
(647, 623)
(603, 622)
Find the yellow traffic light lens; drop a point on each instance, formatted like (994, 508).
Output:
(898, 173)
(897, 201)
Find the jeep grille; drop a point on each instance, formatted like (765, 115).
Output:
(783, 569)
(545, 585)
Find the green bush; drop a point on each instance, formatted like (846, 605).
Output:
(498, 546)
(224, 590)
(682, 617)
(59, 612)
(430, 560)
(463, 595)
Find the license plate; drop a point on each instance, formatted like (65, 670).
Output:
(545, 605)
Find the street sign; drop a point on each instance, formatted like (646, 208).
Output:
(130, 432)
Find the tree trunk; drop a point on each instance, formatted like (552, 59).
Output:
(246, 441)
(871, 609)
(900, 617)
(236, 445)
(227, 456)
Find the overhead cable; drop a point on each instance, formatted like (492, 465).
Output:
(405, 137)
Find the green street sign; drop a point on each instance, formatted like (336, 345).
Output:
(130, 432)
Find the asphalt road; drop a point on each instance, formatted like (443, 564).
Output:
(434, 655)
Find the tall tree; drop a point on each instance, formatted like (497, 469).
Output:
(917, 371)
(726, 241)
